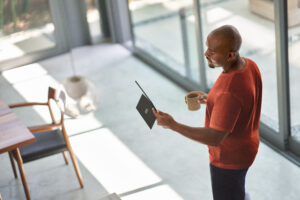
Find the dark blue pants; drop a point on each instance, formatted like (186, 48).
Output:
(228, 184)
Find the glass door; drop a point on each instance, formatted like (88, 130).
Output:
(293, 12)
(165, 31)
(257, 29)
(29, 30)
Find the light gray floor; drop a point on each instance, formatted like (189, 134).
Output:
(115, 149)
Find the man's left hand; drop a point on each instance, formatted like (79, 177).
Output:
(163, 119)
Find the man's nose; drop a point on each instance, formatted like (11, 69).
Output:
(206, 54)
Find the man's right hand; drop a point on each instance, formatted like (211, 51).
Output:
(202, 96)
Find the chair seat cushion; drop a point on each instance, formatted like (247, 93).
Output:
(47, 144)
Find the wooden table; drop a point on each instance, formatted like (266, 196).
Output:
(14, 134)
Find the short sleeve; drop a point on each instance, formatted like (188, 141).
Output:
(225, 113)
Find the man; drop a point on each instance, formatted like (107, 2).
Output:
(232, 116)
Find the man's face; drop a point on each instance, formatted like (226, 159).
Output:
(216, 53)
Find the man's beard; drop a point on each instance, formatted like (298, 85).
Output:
(210, 64)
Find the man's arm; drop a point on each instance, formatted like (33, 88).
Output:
(206, 136)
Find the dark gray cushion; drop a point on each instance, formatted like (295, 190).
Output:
(47, 144)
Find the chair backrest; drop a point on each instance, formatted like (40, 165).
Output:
(51, 93)
(60, 101)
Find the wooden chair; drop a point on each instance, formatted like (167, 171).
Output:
(50, 139)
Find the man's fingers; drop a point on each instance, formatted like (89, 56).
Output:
(154, 112)
(202, 99)
(157, 112)
(160, 112)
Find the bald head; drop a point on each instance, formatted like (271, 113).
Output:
(229, 36)
(223, 46)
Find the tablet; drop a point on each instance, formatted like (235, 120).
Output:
(144, 107)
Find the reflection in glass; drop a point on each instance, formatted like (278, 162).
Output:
(165, 29)
(25, 27)
(93, 18)
(258, 34)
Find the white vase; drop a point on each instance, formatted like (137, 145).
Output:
(75, 86)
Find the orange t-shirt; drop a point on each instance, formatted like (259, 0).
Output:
(233, 105)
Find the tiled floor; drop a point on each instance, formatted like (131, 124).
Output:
(116, 150)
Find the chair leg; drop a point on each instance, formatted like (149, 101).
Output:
(75, 164)
(76, 167)
(65, 157)
(22, 173)
(13, 164)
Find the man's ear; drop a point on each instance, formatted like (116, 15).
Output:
(231, 56)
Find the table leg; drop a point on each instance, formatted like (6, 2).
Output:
(12, 164)
(22, 173)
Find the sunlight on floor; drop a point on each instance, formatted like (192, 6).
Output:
(82, 124)
(134, 5)
(9, 51)
(32, 82)
(169, 5)
(217, 14)
(9, 43)
(162, 192)
(116, 167)
(111, 162)
(27, 72)
(177, 4)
